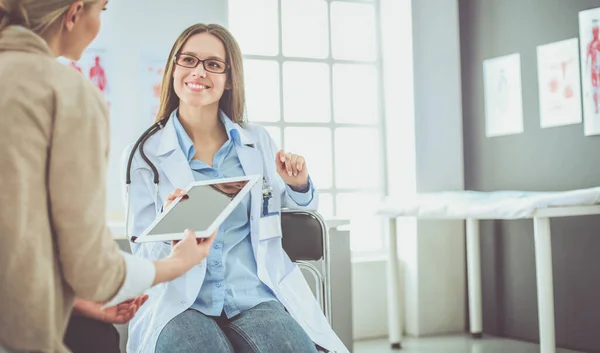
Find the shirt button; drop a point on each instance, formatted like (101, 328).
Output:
(218, 285)
(216, 263)
(216, 246)
(215, 174)
(251, 218)
(183, 302)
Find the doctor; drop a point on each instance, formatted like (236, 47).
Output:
(247, 296)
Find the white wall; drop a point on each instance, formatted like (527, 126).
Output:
(438, 296)
(369, 305)
(424, 134)
(369, 287)
(425, 153)
(126, 34)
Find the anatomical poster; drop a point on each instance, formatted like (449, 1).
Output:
(503, 99)
(152, 67)
(590, 69)
(559, 84)
(93, 65)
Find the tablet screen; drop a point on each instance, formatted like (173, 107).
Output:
(204, 204)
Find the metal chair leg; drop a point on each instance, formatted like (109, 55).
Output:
(319, 282)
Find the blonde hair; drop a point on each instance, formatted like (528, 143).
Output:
(36, 15)
(232, 102)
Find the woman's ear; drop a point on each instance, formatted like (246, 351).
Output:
(73, 15)
(228, 85)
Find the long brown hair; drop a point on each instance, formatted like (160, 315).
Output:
(232, 102)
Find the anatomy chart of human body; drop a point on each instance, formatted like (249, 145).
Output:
(503, 100)
(93, 65)
(559, 84)
(589, 34)
(152, 69)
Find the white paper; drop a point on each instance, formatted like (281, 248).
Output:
(590, 69)
(559, 83)
(503, 99)
(152, 66)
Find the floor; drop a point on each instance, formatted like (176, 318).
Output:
(452, 344)
(446, 344)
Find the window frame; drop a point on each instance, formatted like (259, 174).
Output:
(332, 125)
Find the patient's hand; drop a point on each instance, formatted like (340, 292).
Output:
(124, 312)
(119, 314)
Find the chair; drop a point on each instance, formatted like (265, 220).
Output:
(306, 238)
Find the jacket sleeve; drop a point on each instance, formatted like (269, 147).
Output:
(90, 259)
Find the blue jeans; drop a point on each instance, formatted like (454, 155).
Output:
(266, 328)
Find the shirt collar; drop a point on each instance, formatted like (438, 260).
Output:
(185, 142)
(230, 127)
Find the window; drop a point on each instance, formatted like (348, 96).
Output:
(313, 79)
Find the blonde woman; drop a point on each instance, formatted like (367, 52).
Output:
(54, 244)
(247, 296)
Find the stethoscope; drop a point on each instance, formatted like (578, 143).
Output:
(267, 190)
(139, 144)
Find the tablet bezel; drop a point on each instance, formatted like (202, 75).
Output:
(144, 237)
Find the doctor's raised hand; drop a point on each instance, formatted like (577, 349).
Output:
(292, 169)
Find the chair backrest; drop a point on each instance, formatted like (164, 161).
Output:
(303, 234)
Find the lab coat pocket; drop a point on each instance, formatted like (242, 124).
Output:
(270, 227)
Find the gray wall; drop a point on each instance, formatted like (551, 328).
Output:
(539, 159)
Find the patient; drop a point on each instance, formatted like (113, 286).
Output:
(54, 241)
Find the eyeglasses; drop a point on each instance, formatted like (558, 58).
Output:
(211, 65)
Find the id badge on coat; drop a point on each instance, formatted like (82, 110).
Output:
(270, 220)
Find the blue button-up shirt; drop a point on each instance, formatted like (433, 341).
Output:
(231, 284)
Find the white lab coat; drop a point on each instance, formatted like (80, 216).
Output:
(256, 154)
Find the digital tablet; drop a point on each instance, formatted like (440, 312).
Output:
(208, 204)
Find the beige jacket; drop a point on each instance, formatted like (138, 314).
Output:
(54, 242)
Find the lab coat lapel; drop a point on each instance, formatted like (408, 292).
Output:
(177, 169)
(173, 163)
(252, 163)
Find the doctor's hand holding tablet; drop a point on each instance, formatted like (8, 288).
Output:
(191, 249)
(290, 167)
(214, 207)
